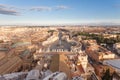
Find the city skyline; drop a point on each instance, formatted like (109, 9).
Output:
(59, 12)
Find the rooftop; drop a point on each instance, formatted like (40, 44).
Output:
(113, 63)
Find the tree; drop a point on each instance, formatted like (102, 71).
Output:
(107, 75)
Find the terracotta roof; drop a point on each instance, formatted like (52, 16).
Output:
(75, 74)
(80, 68)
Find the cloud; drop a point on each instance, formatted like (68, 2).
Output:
(15, 8)
(2, 6)
(41, 8)
(6, 10)
(12, 10)
(61, 7)
(46, 8)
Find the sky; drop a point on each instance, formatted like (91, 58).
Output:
(59, 11)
